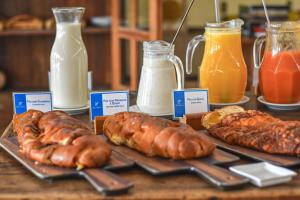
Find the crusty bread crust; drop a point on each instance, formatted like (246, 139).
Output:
(55, 138)
(156, 136)
(24, 22)
(261, 131)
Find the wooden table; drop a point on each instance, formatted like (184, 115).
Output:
(17, 183)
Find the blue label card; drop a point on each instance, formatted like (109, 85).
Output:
(108, 103)
(190, 101)
(32, 100)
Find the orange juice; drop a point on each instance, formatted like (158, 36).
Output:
(223, 70)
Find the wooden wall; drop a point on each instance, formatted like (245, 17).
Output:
(25, 58)
(42, 8)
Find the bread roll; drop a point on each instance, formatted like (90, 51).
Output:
(24, 22)
(156, 136)
(55, 138)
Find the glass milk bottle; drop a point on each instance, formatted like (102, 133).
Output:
(162, 72)
(68, 60)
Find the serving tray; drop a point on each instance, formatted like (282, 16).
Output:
(123, 157)
(204, 167)
(103, 180)
(280, 160)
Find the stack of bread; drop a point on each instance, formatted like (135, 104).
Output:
(24, 22)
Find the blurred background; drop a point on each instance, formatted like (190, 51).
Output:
(113, 31)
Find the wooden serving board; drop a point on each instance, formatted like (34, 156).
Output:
(103, 180)
(280, 160)
(204, 167)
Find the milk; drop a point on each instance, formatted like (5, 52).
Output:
(158, 80)
(69, 67)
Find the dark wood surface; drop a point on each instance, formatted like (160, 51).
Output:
(26, 33)
(42, 9)
(9, 144)
(18, 183)
(103, 181)
(206, 168)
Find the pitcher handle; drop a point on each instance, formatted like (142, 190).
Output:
(179, 70)
(257, 47)
(190, 52)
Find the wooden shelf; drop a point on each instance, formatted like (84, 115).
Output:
(88, 30)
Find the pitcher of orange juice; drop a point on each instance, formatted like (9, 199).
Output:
(223, 70)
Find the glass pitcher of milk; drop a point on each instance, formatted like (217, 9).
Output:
(68, 60)
(162, 72)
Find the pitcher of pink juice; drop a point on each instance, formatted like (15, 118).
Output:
(279, 71)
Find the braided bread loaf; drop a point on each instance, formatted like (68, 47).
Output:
(156, 137)
(260, 131)
(55, 138)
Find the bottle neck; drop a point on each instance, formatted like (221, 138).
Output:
(63, 29)
(68, 14)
